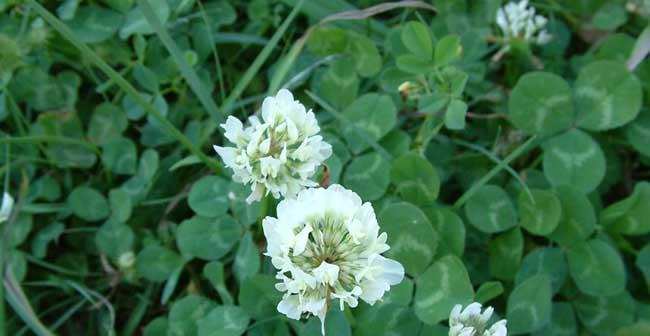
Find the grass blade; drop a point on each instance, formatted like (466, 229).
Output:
(67, 314)
(170, 285)
(50, 138)
(641, 49)
(138, 312)
(122, 83)
(18, 301)
(523, 148)
(496, 160)
(229, 103)
(201, 92)
(259, 60)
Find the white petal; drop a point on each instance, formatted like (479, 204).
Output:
(301, 281)
(265, 145)
(256, 194)
(7, 206)
(373, 291)
(455, 330)
(301, 240)
(227, 154)
(485, 316)
(290, 306)
(473, 310)
(363, 224)
(292, 130)
(284, 96)
(393, 271)
(498, 329)
(326, 273)
(455, 312)
(234, 129)
(270, 166)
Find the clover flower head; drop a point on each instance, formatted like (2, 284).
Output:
(6, 207)
(326, 245)
(518, 21)
(278, 154)
(472, 322)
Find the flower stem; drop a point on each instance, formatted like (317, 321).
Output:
(264, 209)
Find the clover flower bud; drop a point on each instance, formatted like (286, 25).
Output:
(126, 260)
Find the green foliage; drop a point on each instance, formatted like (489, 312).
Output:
(223, 321)
(510, 173)
(541, 103)
(607, 96)
(490, 210)
(440, 288)
(596, 268)
(574, 159)
(360, 125)
(629, 216)
(541, 213)
(415, 178)
(88, 204)
(207, 238)
(368, 175)
(157, 263)
(209, 197)
(529, 305)
(412, 238)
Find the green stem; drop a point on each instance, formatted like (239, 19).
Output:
(217, 61)
(259, 61)
(186, 70)
(523, 148)
(19, 302)
(139, 311)
(263, 211)
(50, 138)
(496, 160)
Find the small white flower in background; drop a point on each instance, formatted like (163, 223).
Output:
(126, 259)
(472, 322)
(6, 207)
(639, 7)
(518, 21)
(278, 154)
(326, 245)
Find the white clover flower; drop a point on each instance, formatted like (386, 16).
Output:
(518, 21)
(6, 207)
(126, 259)
(326, 245)
(278, 154)
(471, 322)
(639, 7)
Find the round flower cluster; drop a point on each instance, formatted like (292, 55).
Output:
(278, 154)
(471, 322)
(517, 20)
(326, 245)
